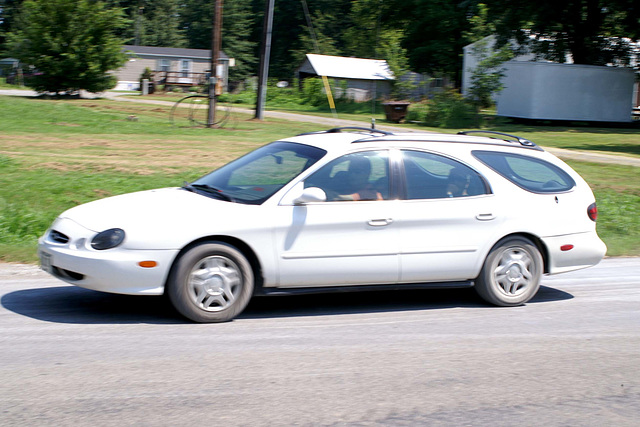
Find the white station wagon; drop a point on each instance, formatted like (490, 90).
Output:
(346, 208)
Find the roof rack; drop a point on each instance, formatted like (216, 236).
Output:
(349, 128)
(519, 140)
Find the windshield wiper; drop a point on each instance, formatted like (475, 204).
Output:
(209, 190)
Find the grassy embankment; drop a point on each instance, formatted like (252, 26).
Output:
(57, 154)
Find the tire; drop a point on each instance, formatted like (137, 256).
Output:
(210, 283)
(511, 273)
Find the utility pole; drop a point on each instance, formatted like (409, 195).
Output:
(216, 41)
(138, 25)
(265, 52)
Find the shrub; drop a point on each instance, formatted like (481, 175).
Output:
(313, 92)
(417, 112)
(448, 109)
(147, 74)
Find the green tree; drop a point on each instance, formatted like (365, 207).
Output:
(160, 23)
(291, 36)
(363, 35)
(392, 51)
(593, 32)
(316, 38)
(8, 11)
(152, 22)
(432, 33)
(71, 43)
(486, 77)
(237, 24)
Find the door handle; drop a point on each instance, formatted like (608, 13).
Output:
(380, 222)
(485, 217)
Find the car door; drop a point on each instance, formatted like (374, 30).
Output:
(349, 239)
(448, 219)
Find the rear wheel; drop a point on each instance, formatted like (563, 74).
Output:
(511, 273)
(212, 282)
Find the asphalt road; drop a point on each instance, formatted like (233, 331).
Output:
(570, 357)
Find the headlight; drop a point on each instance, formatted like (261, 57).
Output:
(107, 239)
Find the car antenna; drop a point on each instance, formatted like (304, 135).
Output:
(373, 123)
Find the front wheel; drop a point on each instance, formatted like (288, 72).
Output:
(511, 273)
(211, 282)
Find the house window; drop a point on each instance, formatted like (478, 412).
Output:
(164, 65)
(185, 67)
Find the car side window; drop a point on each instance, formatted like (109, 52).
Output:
(354, 177)
(431, 176)
(529, 173)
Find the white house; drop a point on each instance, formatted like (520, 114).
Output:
(171, 66)
(365, 78)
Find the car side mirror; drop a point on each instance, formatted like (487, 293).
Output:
(310, 195)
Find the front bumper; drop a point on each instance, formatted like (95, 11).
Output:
(114, 270)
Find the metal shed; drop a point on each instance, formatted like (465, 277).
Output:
(553, 91)
(544, 90)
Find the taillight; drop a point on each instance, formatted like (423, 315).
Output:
(592, 211)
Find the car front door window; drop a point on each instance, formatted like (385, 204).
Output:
(362, 176)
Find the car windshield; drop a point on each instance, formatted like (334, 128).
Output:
(255, 177)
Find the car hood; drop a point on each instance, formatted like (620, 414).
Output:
(157, 218)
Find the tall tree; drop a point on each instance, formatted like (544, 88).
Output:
(70, 42)
(288, 25)
(291, 32)
(594, 32)
(237, 24)
(486, 77)
(433, 33)
(157, 23)
(363, 36)
(8, 12)
(317, 37)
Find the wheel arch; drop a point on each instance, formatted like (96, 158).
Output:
(239, 244)
(544, 252)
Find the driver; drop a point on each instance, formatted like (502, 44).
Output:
(358, 177)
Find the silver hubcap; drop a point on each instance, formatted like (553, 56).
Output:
(514, 274)
(214, 283)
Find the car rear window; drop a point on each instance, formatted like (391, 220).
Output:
(529, 173)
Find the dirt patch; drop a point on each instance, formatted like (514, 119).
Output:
(58, 166)
(67, 124)
(136, 154)
(102, 193)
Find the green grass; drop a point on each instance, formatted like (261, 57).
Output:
(57, 154)
(4, 85)
(31, 198)
(362, 111)
(617, 191)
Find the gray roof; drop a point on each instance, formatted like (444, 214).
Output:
(9, 61)
(172, 52)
